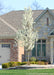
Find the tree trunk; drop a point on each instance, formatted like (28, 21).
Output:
(28, 57)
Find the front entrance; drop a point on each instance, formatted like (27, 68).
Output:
(51, 36)
(52, 50)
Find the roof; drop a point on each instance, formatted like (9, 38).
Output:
(14, 19)
(50, 12)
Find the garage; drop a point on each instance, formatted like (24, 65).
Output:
(4, 53)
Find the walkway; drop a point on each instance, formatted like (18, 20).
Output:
(34, 66)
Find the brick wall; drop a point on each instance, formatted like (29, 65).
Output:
(16, 51)
(20, 52)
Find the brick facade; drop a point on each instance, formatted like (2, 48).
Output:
(20, 52)
(16, 51)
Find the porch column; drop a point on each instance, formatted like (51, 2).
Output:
(51, 50)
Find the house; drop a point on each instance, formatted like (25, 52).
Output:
(10, 49)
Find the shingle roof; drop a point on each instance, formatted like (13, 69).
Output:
(14, 18)
(6, 31)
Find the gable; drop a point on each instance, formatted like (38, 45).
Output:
(44, 12)
(52, 32)
(41, 24)
(43, 19)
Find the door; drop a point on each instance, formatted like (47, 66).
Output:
(53, 51)
(4, 53)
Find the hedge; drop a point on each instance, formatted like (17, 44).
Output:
(5, 65)
(14, 64)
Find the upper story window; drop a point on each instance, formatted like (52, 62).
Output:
(47, 21)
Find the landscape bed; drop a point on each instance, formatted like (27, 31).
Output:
(28, 72)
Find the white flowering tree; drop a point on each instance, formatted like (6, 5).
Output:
(27, 34)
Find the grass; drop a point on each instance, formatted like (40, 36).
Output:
(28, 72)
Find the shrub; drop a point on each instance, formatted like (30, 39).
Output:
(23, 63)
(42, 63)
(39, 62)
(36, 62)
(12, 64)
(33, 62)
(5, 65)
(33, 59)
(19, 63)
(46, 63)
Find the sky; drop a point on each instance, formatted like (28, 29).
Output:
(21, 4)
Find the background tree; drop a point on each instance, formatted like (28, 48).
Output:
(4, 9)
(36, 6)
(1, 7)
(27, 34)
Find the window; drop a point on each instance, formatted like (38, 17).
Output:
(38, 41)
(34, 51)
(39, 48)
(43, 49)
(47, 21)
(43, 41)
(6, 45)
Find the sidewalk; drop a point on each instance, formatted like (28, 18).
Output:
(49, 66)
(34, 66)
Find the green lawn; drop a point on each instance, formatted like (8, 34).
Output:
(28, 72)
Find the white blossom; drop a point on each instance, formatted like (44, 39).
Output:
(27, 34)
